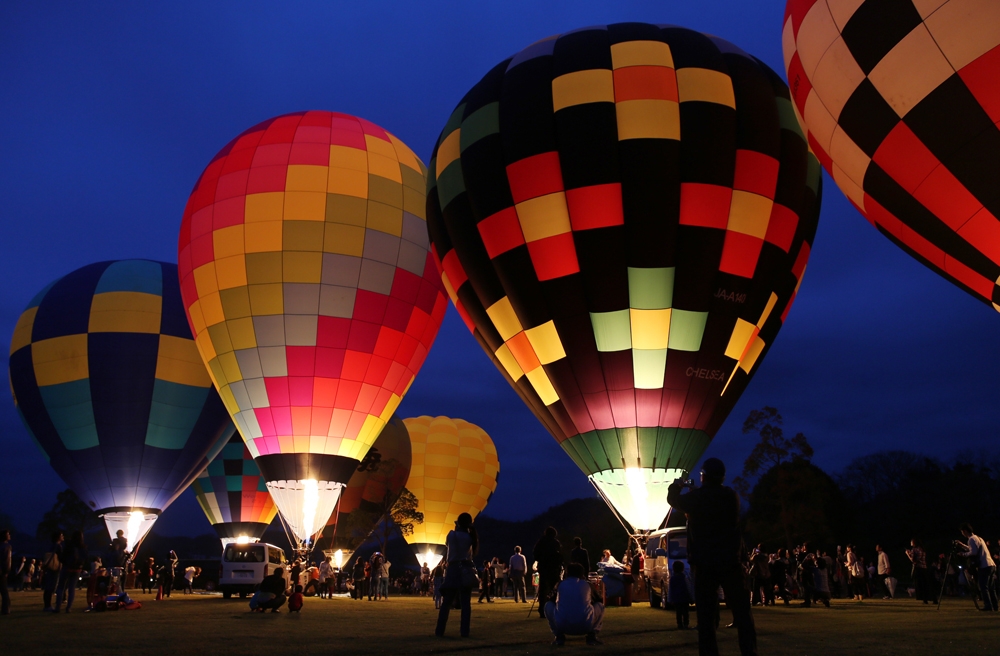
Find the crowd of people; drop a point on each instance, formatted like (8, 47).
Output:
(563, 590)
(815, 576)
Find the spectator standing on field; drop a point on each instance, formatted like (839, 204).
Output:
(5, 565)
(821, 589)
(486, 583)
(580, 555)
(169, 572)
(921, 584)
(516, 569)
(978, 552)
(383, 580)
(679, 593)
(327, 582)
(359, 579)
(74, 560)
(714, 552)
(548, 556)
(462, 544)
(498, 577)
(51, 566)
(884, 571)
(425, 580)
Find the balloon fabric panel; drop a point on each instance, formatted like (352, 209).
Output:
(455, 470)
(308, 283)
(622, 217)
(900, 106)
(109, 382)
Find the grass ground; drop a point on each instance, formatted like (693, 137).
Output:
(404, 625)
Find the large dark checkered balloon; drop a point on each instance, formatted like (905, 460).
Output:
(900, 100)
(622, 216)
(110, 384)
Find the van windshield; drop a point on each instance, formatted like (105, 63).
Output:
(252, 553)
(677, 546)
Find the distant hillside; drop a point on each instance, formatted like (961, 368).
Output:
(589, 519)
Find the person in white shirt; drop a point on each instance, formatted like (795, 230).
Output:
(327, 580)
(190, 574)
(610, 560)
(980, 555)
(574, 611)
(383, 579)
(884, 571)
(516, 569)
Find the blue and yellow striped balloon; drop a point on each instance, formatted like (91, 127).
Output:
(110, 384)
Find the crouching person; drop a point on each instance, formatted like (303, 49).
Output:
(576, 610)
(270, 593)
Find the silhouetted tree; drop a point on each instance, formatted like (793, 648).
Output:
(897, 495)
(796, 501)
(871, 476)
(68, 513)
(7, 522)
(773, 448)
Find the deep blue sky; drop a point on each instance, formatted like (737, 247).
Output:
(110, 111)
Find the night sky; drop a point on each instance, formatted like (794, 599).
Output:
(110, 111)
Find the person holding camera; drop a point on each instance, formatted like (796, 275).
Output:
(979, 555)
(714, 550)
(460, 574)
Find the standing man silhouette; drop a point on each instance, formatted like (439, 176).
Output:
(714, 550)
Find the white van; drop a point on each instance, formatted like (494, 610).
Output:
(244, 566)
(663, 548)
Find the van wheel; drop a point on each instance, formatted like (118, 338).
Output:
(654, 598)
(227, 595)
(243, 595)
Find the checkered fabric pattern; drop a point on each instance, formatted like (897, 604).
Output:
(306, 275)
(622, 216)
(233, 494)
(110, 385)
(455, 470)
(901, 104)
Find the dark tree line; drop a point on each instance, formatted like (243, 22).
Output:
(883, 498)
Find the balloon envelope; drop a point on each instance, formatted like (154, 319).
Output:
(306, 275)
(455, 470)
(900, 105)
(109, 382)
(233, 495)
(378, 479)
(622, 216)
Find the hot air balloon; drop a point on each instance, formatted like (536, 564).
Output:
(233, 495)
(455, 470)
(111, 387)
(899, 104)
(622, 216)
(307, 279)
(376, 484)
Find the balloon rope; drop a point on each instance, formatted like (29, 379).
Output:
(614, 510)
(292, 540)
(336, 510)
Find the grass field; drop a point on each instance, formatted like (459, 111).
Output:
(404, 625)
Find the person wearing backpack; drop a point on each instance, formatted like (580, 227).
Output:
(51, 565)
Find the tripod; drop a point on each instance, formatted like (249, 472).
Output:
(970, 581)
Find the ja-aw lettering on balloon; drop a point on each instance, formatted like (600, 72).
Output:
(707, 374)
(726, 295)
